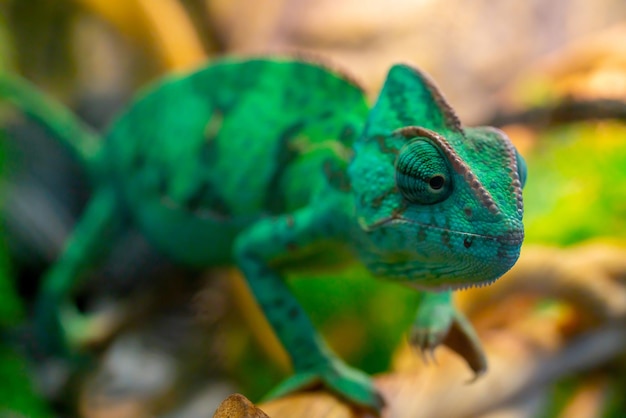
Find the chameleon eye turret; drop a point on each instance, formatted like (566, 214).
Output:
(422, 173)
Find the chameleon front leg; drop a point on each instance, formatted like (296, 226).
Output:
(312, 360)
(56, 319)
(438, 322)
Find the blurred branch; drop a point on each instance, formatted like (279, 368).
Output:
(566, 111)
(173, 32)
(162, 23)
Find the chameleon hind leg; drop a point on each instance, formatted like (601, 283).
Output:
(313, 362)
(88, 244)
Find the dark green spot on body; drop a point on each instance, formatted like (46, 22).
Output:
(214, 125)
(197, 197)
(284, 156)
(384, 147)
(293, 312)
(445, 238)
(336, 175)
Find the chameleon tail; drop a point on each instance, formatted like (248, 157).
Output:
(77, 137)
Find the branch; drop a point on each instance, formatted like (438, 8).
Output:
(566, 111)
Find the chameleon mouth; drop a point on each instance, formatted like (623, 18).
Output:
(451, 286)
(512, 238)
(474, 285)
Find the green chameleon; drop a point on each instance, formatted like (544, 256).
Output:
(266, 163)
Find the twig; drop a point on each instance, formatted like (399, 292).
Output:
(566, 111)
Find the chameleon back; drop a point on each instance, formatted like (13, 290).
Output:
(206, 154)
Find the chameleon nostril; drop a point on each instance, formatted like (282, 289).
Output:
(468, 212)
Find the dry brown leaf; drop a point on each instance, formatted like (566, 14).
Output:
(313, 404)
(238, 406)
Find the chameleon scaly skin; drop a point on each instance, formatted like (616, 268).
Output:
(266, 161)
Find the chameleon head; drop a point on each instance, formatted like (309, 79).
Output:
(438, 205)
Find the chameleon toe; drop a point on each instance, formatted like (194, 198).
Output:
(292, 384)
(353, 385)
(350, 384)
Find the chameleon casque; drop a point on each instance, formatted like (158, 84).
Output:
(262, 162)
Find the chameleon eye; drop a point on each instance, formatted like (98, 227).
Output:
(522, 171)
(422, 173)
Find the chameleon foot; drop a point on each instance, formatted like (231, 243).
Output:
(431, 326)
(83, 330)
(438, 322)
(62, 330)
(349, 383)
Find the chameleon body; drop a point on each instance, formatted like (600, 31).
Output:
(262, 162)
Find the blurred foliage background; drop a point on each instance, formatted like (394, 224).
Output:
(186, 339)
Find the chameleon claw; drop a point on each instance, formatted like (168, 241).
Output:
(428, 356)
(477, 375)
(423, 355)
(424, 350)
(433, 357)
